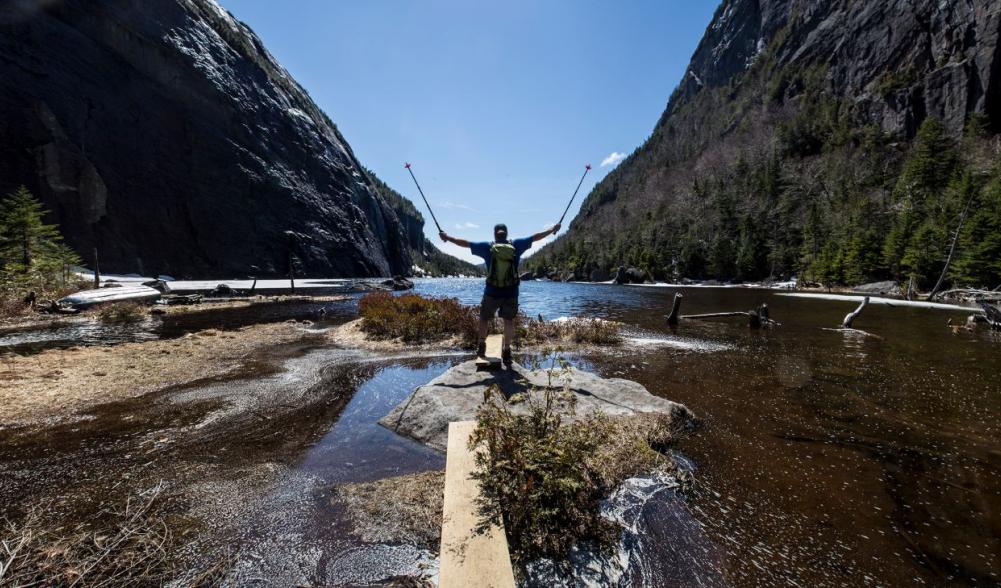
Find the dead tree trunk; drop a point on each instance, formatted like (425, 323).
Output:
(97, 271)
(672, 319)
(952, 248)
(851, 316)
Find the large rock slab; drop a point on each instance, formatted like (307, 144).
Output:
(457, 394)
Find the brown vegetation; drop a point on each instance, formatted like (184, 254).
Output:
(579, 331)
(401, 509)
(121, 312)
(127, 546)
(412, 318)
(545, 474)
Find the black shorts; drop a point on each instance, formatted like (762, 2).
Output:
(507, 307)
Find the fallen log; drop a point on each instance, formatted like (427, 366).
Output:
(756, 318)
(992, 314)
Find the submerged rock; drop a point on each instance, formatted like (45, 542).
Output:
(457, 394)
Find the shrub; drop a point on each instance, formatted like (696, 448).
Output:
(120, 312)
(416, 319)
(545, 473)
(574, 330)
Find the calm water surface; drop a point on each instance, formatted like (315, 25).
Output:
(826, 458)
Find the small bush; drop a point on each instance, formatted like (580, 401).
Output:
(544, 474)
(416, 319)
(574, 330)
(121, 312)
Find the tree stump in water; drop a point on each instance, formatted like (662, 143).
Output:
(672, 319)
(851, 316)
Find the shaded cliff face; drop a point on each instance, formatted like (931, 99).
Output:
(785, 140)
(165, 135)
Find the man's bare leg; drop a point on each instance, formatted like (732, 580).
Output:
(508, 333)
(481, 346)
(508, 339)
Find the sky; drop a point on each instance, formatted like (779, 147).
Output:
(497, 105)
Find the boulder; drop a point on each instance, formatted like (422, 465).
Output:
(636, 275)
(527, 276)
(399, 283)
(599, 275)
(620, 275)
(457, 394)
(158, 285)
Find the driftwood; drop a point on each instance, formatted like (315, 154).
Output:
(756, 318)
(851, 316)
(971, 295)
(992, 315)
(672, 319)
(849, 320)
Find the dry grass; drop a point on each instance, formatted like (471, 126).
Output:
(412, 318)
(402, 509)
(60, 382)
(577, 331)
(12, 305)
(128, 546)
(121, 312)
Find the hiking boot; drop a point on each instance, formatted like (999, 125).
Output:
(506, 357)
(481, 349)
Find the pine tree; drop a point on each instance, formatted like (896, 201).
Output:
(28, 246)
(978, 263)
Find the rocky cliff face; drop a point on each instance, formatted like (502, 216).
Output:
(792, 117)
(164, 135)
(901, 60)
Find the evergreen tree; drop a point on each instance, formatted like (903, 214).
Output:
(979, 261)
(29, 248)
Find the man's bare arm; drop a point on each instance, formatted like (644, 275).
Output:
(446, 237)
(546, 233)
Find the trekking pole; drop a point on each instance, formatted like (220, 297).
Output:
(587, 168)
(422, 196)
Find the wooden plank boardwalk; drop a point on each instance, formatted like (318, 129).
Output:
(468, 558)
(492, 361)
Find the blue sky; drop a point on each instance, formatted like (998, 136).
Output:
(498, 105)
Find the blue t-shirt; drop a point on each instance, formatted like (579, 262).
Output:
(482, 249)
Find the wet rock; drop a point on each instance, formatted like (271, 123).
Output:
(457, 394)
(399, 283)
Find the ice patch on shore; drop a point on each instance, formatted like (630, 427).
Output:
(884, 301)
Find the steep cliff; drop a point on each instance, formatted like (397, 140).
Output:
(790, 146)
(164, 135)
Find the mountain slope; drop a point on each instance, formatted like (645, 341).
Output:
(164, 135)
(794, 145)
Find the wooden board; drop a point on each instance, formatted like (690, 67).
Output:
(468, 558)
(492, 361)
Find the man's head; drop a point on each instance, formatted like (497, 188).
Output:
(500, 232)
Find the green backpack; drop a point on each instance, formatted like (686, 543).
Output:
(503, 269)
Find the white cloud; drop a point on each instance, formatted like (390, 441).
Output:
(467, 225)
(613, 159)
(453, 205)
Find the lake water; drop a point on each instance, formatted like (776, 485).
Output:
(826, 458)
